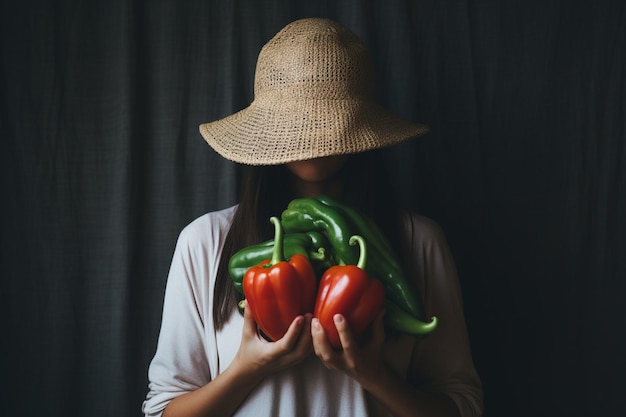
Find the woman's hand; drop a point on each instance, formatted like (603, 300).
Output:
(262, 357)
(255, 359)
(364, 363)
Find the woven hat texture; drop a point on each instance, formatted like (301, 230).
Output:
(313, 97)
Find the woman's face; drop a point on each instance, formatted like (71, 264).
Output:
(318, 169)
(317, 176)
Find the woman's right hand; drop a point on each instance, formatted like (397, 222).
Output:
(262, 357)
(255, 359)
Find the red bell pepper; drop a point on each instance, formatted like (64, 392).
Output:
(279, 290)
(348, 290)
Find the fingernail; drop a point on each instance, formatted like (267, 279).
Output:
(338, 318)
(315, 323)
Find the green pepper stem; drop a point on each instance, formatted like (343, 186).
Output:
(320, 255)
(278, 254)
(362, 250)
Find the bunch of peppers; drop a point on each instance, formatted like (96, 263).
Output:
(357, 270)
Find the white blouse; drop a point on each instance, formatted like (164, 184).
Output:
(190, 351)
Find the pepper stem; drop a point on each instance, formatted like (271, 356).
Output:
(320, 255)
(362, 250)
(278, 254)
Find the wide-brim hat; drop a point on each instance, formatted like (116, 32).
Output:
(313, 97)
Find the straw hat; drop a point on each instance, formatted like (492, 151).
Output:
(313, 97)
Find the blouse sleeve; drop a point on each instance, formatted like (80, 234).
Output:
(180, 364)
(442, 361)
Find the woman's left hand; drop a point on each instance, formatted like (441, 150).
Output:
(363, 362)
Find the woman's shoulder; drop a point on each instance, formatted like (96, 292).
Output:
(423, 228)
(211, 225)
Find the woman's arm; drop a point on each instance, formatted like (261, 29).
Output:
(184, 375)
(441, 379)
(441, 362)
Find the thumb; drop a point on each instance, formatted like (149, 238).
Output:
(249, 324)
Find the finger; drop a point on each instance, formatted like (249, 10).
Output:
(249, 325)
(321, 346)
(317, 335)
(304, 346)
(345, 333)
(306, 338)
(288, 341)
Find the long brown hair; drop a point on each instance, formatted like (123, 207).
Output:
(264, 192)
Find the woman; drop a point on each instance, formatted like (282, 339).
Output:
(312, 129)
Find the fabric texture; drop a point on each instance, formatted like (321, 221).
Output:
(190, 351)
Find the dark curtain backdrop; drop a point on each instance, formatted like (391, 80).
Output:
(102, 165)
